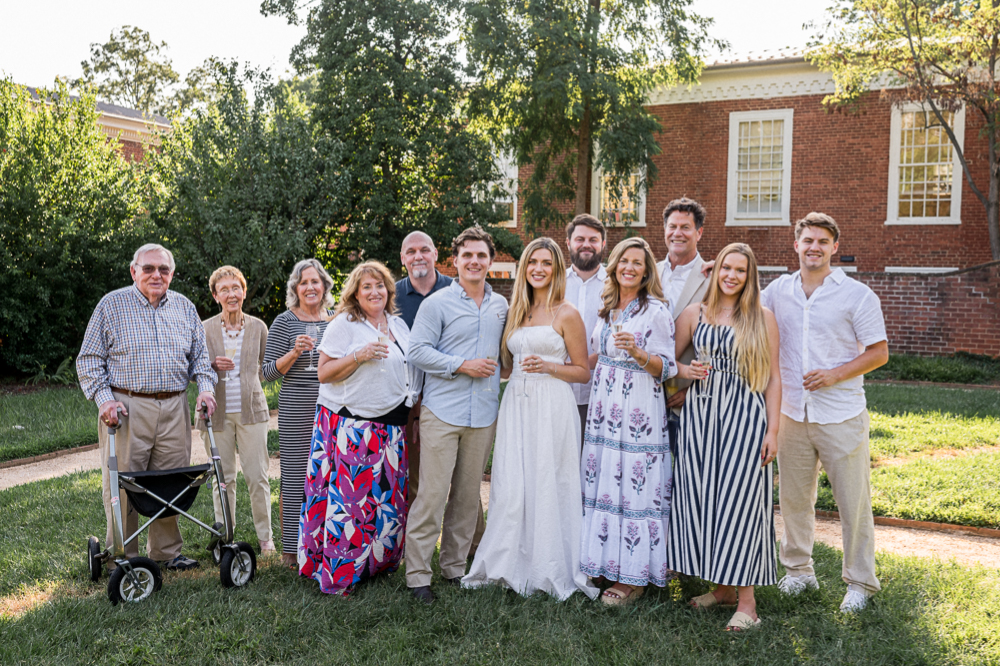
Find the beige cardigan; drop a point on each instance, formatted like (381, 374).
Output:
(695, 288)
(253, 401)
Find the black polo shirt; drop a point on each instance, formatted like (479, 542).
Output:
(408, 299)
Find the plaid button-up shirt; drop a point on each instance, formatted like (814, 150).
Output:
(131, 345)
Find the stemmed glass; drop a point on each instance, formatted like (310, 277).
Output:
(492, 353)
(383, 339)
(312, 330)
(230, 354)
(704, 356)
(617, 321)
(518, 362)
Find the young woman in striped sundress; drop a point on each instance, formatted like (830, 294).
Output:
(722, 522)
(291, 356)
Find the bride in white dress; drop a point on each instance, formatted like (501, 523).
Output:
(532, 538)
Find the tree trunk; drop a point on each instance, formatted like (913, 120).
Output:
(583, 163)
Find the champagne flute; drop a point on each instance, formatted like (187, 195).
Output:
(492, 353)
(383, 339)
(230, 354)
(617, 322)
(518, 362)
(312, 330)
(704, 356)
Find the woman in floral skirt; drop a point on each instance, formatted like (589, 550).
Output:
(626, 459)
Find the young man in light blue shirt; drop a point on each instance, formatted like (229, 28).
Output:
(456, 341)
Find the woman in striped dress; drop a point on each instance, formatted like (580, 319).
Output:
(291, 356)
(722, 522)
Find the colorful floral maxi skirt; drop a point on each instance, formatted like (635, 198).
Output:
(354, 515)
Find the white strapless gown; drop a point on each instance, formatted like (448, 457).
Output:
(533, 528)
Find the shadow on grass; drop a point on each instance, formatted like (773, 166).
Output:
(929, 613)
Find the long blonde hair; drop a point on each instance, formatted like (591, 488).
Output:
(349, 294)
(649, 287)
(523, 297)
(752, 343)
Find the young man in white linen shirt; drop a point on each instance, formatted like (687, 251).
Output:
(586, 239)
(832, 333)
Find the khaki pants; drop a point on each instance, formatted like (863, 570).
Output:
(842, 449)
(251, 440)
(156, 434)
(452, 462)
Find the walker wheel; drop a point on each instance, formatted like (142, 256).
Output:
(238, 565)
(93, 558)
(145, 580)
(217, 554)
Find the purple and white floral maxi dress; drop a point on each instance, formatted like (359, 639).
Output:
(625, 469)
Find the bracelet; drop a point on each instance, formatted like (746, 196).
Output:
(648, 356)
(356, 359)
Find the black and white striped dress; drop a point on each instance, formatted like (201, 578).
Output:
(296, 415)
(722, 520)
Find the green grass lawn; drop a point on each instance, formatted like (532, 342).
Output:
(928, 613)
(53, 419)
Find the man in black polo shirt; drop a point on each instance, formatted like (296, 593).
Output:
(419, 256)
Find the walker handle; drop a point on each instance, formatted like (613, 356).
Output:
(203, 408)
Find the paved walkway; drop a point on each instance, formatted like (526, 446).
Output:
(965, 549)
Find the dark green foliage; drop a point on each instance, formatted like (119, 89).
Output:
(388, 87)
(555, 79)
(962, 368)
(246, 183)
(70, 218)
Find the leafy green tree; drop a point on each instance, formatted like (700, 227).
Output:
(554, 79)
(203, 85)
(71, 215)
(131, 70)
(246, 183)
(389, 87)
(941, 53)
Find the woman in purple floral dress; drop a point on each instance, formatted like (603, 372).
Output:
(354, 514)
(626, 458)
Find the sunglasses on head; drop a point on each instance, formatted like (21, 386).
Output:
(149, 269)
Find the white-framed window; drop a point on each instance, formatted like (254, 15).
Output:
(925, 174)
(919, 269)
(760, 168)
(507, 202)
(629, 210)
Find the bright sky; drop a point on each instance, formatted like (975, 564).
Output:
(43, 39)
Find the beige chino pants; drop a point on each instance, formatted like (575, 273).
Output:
(452, 460)
(251, 442)
(156, 434)
(842, 449)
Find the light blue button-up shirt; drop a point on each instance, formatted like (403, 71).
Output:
(449, 330)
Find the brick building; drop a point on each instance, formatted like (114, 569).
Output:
(133, 130)
(753, 143)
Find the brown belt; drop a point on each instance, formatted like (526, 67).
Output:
(162, 395)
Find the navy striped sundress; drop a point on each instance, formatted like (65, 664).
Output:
(722, 519)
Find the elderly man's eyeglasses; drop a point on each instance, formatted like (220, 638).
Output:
(149, 269)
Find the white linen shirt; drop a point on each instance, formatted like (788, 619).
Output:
(830, 328)
(673, 280)
(369, 392)
(586, 296)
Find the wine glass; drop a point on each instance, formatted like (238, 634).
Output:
(518, 361)
(617, 321)
(383, 339)
(312, 330)
(492, 353)
(704, 356)
(230, 354)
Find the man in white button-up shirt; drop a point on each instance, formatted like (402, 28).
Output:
(684, 282)
(586, 238)
(832, 333)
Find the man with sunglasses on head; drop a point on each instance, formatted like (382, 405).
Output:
(143, 345)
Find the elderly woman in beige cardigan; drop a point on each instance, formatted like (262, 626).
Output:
(236, 343)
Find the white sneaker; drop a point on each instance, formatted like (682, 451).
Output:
(854, 601)
(792, 585)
